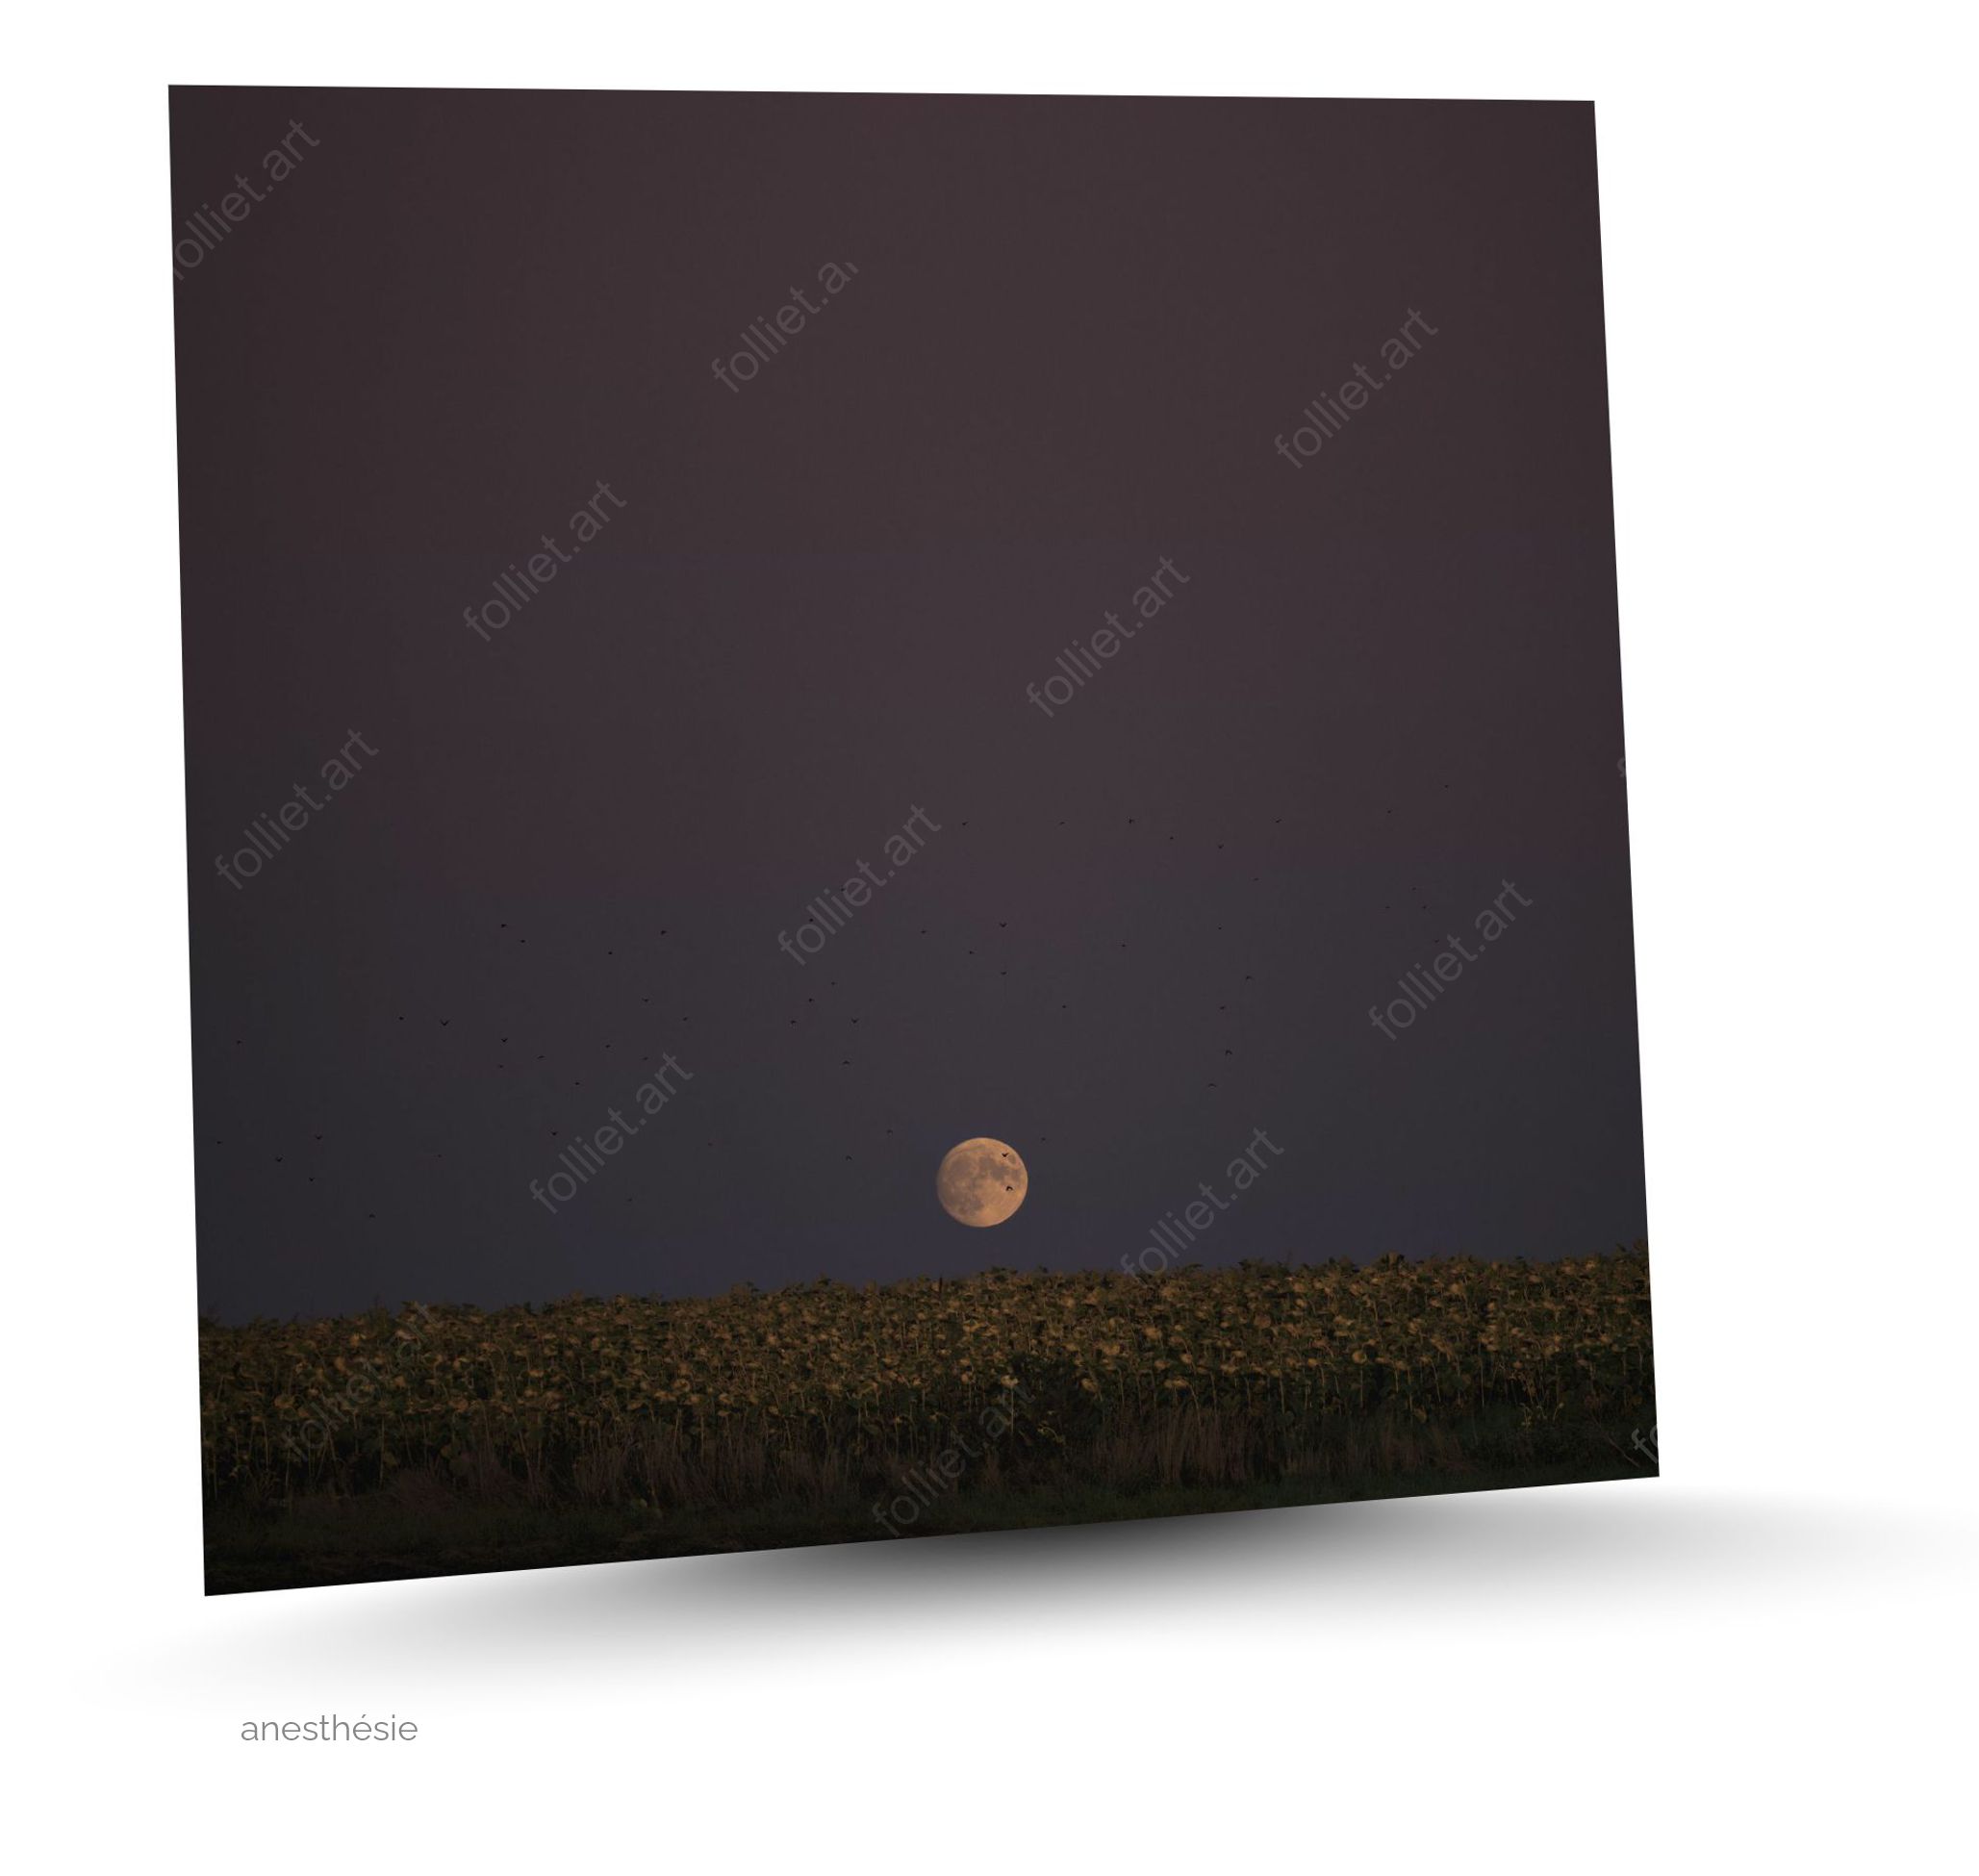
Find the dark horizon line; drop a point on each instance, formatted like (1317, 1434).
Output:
(1639, 1247)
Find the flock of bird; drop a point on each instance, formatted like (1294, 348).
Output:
(507, 1054)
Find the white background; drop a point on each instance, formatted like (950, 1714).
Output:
(1765, 1658)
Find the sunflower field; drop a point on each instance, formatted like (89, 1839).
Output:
(823, 1390)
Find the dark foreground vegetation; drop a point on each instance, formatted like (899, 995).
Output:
(442, 1439)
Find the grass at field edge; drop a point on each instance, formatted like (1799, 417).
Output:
(372, 1542)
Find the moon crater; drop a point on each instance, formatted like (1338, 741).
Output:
(981, 1182)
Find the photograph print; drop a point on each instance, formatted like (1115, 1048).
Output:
(908, 815)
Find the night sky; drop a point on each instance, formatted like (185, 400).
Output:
(1034, 350)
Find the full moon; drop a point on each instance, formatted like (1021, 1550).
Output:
(981, 1182)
